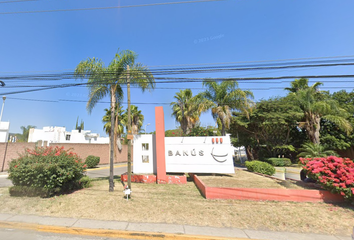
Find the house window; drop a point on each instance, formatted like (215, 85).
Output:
(145, 158)
(67, 137)
(145, 146)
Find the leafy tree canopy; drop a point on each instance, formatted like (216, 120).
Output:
(270, 130)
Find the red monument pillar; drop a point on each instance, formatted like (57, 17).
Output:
(160, 145)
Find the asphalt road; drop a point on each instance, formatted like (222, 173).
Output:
(100, 172)
(103, 171)
(19, 234)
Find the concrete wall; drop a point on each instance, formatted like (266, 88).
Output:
(60, 135)
(4, 131)
(82, 149)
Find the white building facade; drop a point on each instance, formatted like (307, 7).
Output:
(60, 135)
(4, 131)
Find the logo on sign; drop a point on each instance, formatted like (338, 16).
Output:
(219, 158)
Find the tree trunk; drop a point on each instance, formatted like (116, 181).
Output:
(111, 144)
(115, 136)
(184, 126)
(313, 126)
(223, 130)
(249, 153)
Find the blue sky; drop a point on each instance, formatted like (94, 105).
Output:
(238, 31)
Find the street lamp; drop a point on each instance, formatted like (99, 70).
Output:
(146, 126)
(2, 109)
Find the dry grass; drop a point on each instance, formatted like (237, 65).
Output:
(183, 204)
(245, 179)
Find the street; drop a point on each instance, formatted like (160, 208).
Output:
(103, 170)
(20, 234)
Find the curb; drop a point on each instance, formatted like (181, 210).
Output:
(108, 233)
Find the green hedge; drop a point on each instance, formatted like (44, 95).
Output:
(260, 167)
(53, 170)
(92, 161)
(278, 162)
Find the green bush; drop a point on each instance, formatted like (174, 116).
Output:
(278, 162)
(85, 182)
(54, 170)
(260, 167)
(92, 161)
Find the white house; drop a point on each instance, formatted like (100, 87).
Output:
(60, 135)
(4, 131)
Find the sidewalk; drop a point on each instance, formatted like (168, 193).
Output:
(130, 230)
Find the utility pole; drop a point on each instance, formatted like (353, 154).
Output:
(2, 108)
(129, 136)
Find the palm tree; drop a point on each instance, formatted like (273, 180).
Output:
(223, 98)
(311, 150)
(118, 126)
(81, 126)
(106, 119)
(106, 81)
(315, 106)
(136, 119)
(301, 84)
(25, 132)
(187, 109)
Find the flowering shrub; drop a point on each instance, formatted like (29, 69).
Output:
(333, 173)
(53, 169)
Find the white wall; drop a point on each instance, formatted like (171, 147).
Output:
(60, 135)
(186, 155)
(141, 154)
(199, 154)
(4, 131)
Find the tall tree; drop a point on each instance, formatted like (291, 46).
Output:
(270, 130)
(81, 126)
(224, 98)
(186, 109)
(25, 132)
(106, 81)
(315, 106)
(301, 84)
(106, 119)
(136, 119)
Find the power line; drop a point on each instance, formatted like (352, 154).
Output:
(204, 64)
(175, 71)
(164, 88)
(105, 8)
(192, 81)
(143, 103)
(17, 1)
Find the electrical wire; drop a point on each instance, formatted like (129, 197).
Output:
(203, 64)
(105, 8)
(136, 103)
(17, 1)
(190, 81)
(175, 71)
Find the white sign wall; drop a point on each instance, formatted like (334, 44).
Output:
(199, 155)
(185, 154)
(143, 153)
